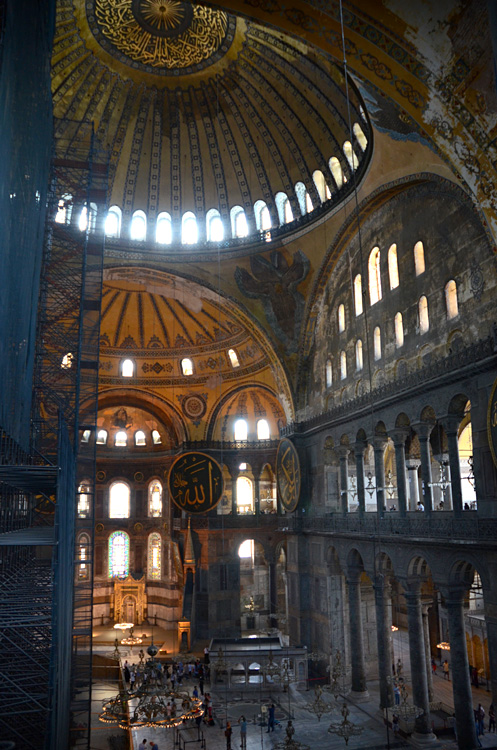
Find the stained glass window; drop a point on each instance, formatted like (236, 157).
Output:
(155, 499)
(118, 554)
(154, 556)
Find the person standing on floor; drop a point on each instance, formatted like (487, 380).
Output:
(243, 732)
(445, 667)
(227, 733)
(480, 715)
(270, 719)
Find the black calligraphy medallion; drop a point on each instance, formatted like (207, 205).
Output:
(195, 482)
(288, 475)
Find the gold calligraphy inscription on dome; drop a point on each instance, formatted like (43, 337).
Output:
(191, 46)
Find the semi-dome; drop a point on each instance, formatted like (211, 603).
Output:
(216, 128)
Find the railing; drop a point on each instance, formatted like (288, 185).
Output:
(242, 521)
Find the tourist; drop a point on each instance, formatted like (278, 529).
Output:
(270, 720)
(243, 732)
(445, 667)
(227, 733)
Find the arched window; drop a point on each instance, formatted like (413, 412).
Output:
(127, 368)
(358, 294)
(214, 226)
(140, 438)
(164, 229)
(301, 192)
(359, 134)
(377, 343)
(337, 171)
(399, 330)
(83, 506)
(244, 495)
(85, 437)
(350, 155)
(419, 258)
(233, 358)
(83, 219)
(189, 230)
(329, 373)
(119, 500)
(138, 228)
(64, 209)
(155, 499)
(263, 432)
(288, 211)
(262, 216)
(102, 437)
(186, 366)
(83, 557)
(308, 204)
(112, 226)
(285, 213)
(239, 226)
(321, 186)
(156, 438)
(358, 355)
(343, 365)
(374, 276)
(424, 320)
(341, 318)
(393, 267)
(118, 554)
(241, 429)
(121, 439)
(246, 549)
(154, 556)
(451, 299)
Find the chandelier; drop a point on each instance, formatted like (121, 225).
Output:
(444, 646)
(289, 743)
(337, 673)
(405, 710)
(345, 729)
(318, 705)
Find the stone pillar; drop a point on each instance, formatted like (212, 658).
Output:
(257, 491)
(451, 426)
(425, 606)
(234, 477)
(422, 727)
(343, 453)
(384, 639)
(423, 431)
(359, 688)
(413, 465)
(359, 449)
(399, 440)
(273, 590)
(379, 471)
(461, 685)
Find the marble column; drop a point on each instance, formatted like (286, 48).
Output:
(359, 449)
(343, 453)
(399, 440)
(451, 427)
(413, 465)
(379, 471)
(359, 688)
(382, 594)
(257, 491)
(425, 606)
(422, 727)
(234, 509)
(423, 431)
(461, 685)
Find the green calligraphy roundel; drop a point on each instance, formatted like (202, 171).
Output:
(288, 475)
(195, 482)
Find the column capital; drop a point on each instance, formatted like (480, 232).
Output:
(342, 451)
(400, 434)
(451, 423)
(413, 463)
(454, 593)
(379, 441)
(423, 429)
(353, 574)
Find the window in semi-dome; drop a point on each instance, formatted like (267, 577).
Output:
(360, 137)
(419, 258)
(214, 226)
(140, 438)
(187, 366)
(164, 229)
(154, 556)
(241, 429)
(343, 365)
(399, 330)
(83, 506)
(127, 368)
(262, 216)
(239, 226)
(156, 438)
(112, 227)
(102, 437)
(118, 554)
(424, 320)
(233, 358)
(358, 294)
(329, 373)
(119, 500)
(83, 556)
(350, 155)
(155, 499)
(244, 495)
(138, 228)
(337, 171)
(283, 207)
(374, 276)
(341, 318)
(451, 299)
(189, 229)
(288, 211)
(301, 192)
(321, 186)
(377, 343)
(121, 439)
(358, 355)
(263, 432)
(393, 267)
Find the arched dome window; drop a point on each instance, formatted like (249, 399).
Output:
(112, 226)
(164, 229)
(86, 221)
(343, 365)
(156, 438)
(284, 208)
(187, 366)
(399, 330)
(127, 368)
(329, 373)
(419, 258)
(358, 355)
(239, 226)
(155, 499)
(374, 276)
(341, 318)
(121, 439)
(138, 228)
(154, 556)
(424, 320)
(140, 438)
(377, 343)
(451, 299)
(214, 226)
(233, 358)
(118, 554)
(309, 207)
(360, 137)
(393, 267)
(102, 437)
(301, 192)
(321, 186)
(263, 432)
(244, 495)
(337, 171)
(350, 155)
(119, 495)
(262, 216)
(85, 437)
(189, 229)
(358, 294)
(241, 429)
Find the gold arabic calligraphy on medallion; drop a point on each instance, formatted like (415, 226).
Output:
(195, 482)
(288, 475)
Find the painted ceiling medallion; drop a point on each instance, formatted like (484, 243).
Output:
(162, 35)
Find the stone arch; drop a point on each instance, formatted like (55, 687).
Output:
(428, 415)
(457, 405)
(402, 420)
